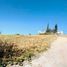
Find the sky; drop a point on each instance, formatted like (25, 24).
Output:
(31, 16)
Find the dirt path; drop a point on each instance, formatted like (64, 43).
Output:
(56, 56)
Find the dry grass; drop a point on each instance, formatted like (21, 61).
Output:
(31, 45)
(28, 42)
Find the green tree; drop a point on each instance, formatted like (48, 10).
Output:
(56, 28)
(47, 30)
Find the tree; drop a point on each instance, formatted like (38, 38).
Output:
(47, 30)
(56, 28)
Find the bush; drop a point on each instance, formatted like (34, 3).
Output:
(7, 50)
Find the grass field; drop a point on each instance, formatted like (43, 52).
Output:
(27, 46)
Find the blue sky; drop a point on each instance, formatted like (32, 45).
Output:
(31, 16)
